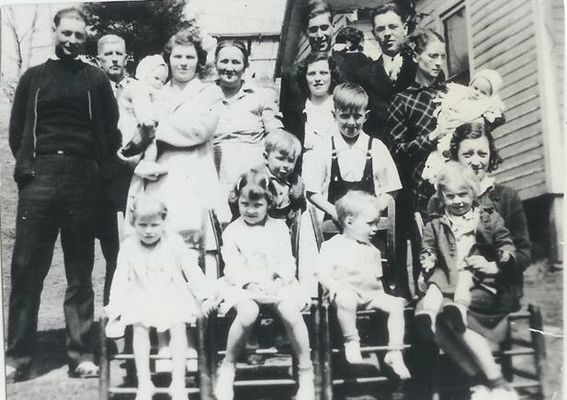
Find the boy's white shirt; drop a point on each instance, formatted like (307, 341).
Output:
(352, 160)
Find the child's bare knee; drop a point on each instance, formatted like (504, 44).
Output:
(346, 300)
(289, 312)
(247, 312)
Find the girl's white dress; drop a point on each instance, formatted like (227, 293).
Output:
(150, 287)
(259, 254)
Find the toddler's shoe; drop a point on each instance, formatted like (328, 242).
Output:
(192, 361)
(224, 388)
(503, 393)
(164, 364)
(395, 360)
(352, 352)
(480, 392)
(306, 389)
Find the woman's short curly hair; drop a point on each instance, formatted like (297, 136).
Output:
(313, 57)
(475, 130)
(186, 37)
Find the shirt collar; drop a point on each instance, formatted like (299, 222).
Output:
(361, 142)
(486, 184)
(244, 90)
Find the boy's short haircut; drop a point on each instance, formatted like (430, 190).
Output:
(284, 142)
(69, 12)
(354, 202)
(107, 39)
(314, 8)
(349, 96)
(146, 206)
(453, 171)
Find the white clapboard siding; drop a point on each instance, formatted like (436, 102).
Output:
(263, 54)
(554, 14)
(503, 38)
(510, 33)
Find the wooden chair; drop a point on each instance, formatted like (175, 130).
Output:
(275, 372)
(109, 358)
(370, 323)
(519, 338)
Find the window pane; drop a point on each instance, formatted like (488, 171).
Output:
(457, 47)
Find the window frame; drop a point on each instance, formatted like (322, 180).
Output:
(444, 13)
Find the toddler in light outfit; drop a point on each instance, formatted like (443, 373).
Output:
(350, 269)
(158, 284)
(260, 269)
(479, 101)
(449, 239)
(138, 119)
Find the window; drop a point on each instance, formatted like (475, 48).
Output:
(456, 39)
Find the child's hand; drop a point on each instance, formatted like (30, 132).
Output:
(208, 306)
(504, 256)
(428, 261)
(254, 288)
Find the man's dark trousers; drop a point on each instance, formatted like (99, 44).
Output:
(61, 198)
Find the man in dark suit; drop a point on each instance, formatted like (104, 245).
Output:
(393, 72)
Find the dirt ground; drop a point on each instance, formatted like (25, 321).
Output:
(49, 379)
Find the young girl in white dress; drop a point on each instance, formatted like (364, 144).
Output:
(157, 284)
(260, 269)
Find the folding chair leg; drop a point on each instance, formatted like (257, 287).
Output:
(104, 361)
(205, 381)
(536, 328)
(326, 354)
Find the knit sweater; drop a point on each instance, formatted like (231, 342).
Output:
(101, 107)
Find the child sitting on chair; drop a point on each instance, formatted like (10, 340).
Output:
(137, 115)
(449, 239)
(281, 151)
(158, 284)
(260, 269)
(350, 269)
(480, 101)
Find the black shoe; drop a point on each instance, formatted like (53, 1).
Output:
(14, 374)
(424, 325)
(454, 317)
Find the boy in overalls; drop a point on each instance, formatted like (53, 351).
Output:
(350, 160)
